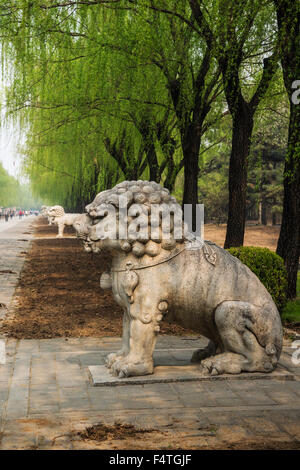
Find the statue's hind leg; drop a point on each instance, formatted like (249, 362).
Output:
(242, 352)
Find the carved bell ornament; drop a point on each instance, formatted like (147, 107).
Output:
(105, 281)
(131, 280)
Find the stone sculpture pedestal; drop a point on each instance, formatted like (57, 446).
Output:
(180, 372)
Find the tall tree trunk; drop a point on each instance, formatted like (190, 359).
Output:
(264, 215)
(153, 165)
(190, 149)
(288, 17)
(260, 213)
(289, 239)
(191, 169)
(241, 140)
(230, 55)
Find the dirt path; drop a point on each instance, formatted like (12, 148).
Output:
(255, 235)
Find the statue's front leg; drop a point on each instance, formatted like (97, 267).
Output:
(124, 351)
(139, 360)
(145, 309)
(60, 230)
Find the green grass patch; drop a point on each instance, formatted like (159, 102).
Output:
(291, 312)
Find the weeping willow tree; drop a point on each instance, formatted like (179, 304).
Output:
(107, 94)
(92, 113)
(137, 83)
(119, 89)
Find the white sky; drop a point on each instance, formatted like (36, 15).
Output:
(10, 137)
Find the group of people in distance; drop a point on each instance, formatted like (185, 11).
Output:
(9, 213)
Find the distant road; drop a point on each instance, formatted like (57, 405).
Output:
(18, 224)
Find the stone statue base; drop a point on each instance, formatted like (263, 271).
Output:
(101, 377)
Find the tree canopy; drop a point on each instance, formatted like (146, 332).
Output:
(176, 92)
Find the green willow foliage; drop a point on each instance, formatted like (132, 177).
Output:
(80, 92)
(8, 188)
(120, 90)
(14, 194)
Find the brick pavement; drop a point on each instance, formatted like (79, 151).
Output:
(45, 392)
(15, 237)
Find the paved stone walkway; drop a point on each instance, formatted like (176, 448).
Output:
(45, 391)
(15, 237)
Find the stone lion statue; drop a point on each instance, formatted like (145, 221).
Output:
(44, 213)
(199, 285)
(58, 217)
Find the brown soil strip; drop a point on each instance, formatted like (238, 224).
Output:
(103, 432)
(126, 436)
(265, 236)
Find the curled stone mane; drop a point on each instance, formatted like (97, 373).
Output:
(56, 211)
(145, 194)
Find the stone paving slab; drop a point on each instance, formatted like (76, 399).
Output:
(45, 392)
(45, 384)
(101, 377)
(15, 239)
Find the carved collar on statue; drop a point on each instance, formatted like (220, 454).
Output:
(190, 245)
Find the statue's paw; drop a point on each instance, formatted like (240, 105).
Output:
(116, 366)
(59, 236)
(124, 372)
(211, 367)
(226, 363)
(124, 368)
(111, 358)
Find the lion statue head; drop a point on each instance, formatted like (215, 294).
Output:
(55, 211)
(136, 217)
(44, 210)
